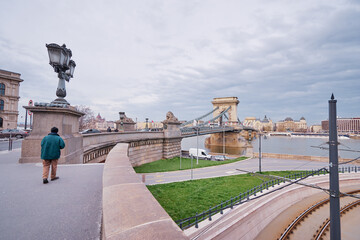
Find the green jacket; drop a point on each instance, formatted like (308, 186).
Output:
(50, 146)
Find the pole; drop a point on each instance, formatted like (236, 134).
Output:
(30, 121)
(192, 157)
(26, 113)
(224, 140)
(259, 152)
(10, 143)
(335, 229)
(197, 146)
(180, 157)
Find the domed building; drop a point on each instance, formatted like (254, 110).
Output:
(261, 125)
(289, 125)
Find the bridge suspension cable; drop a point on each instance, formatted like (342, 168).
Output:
(196, 119)
(218, 116)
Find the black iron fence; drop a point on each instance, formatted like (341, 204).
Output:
(248, 195)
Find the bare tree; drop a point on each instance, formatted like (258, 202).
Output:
(88, 120)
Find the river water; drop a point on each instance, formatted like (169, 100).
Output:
(286, 145)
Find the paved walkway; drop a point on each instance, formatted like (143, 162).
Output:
(68, 208)
(267, 164)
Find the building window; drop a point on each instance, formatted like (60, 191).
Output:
(2, 89)
(1, 104)
(1, 122)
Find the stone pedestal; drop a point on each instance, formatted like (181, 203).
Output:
(172, 136)
(126, 126)
(234, 143)
(125, 123)
(44, 118)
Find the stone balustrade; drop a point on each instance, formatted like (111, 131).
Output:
(129, 209)
(90, 140)
(144, 147)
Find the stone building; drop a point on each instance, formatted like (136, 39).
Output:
(9, 99)
(102, 125)
(344, 125)
(261, 125)
(151, 125)
(288, 124)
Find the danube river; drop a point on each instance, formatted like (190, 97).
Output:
(287, 145)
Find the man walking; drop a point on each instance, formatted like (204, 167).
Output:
(50, 153)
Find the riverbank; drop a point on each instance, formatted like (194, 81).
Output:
(302, 157)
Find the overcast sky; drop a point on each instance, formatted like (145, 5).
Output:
(280, 58)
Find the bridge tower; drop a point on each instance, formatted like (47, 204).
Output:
(223, 103)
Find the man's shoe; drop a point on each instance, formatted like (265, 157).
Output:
(53, 179)
(45, 181)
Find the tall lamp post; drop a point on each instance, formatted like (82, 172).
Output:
(147, 126)
(59, 57)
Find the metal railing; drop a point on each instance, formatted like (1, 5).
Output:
(246, 196)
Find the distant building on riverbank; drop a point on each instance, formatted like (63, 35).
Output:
(9, 99)
(150, 125)
(261, 125)
(288, 124)
(344, 125)
(102, 125)
(316, 128)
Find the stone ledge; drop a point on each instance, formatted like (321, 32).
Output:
(129, 209)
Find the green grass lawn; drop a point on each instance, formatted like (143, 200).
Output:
(185, 199)
(173, 164)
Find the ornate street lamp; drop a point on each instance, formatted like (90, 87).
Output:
(60, 60)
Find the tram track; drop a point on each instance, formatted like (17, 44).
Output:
(325, 225)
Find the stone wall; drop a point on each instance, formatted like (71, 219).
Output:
(129, 209)
(145, 151)
(172, 147)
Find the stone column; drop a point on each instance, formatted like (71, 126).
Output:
(172, 136)
(67, 121)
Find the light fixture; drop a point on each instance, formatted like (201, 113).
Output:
(60, 60)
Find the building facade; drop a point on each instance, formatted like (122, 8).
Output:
(9, 99)
(316, 128)
(102, 125)
(344, 125)
(289, 125)
(265, 125)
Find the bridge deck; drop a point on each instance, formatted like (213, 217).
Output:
(69, 208)
(190, 132)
